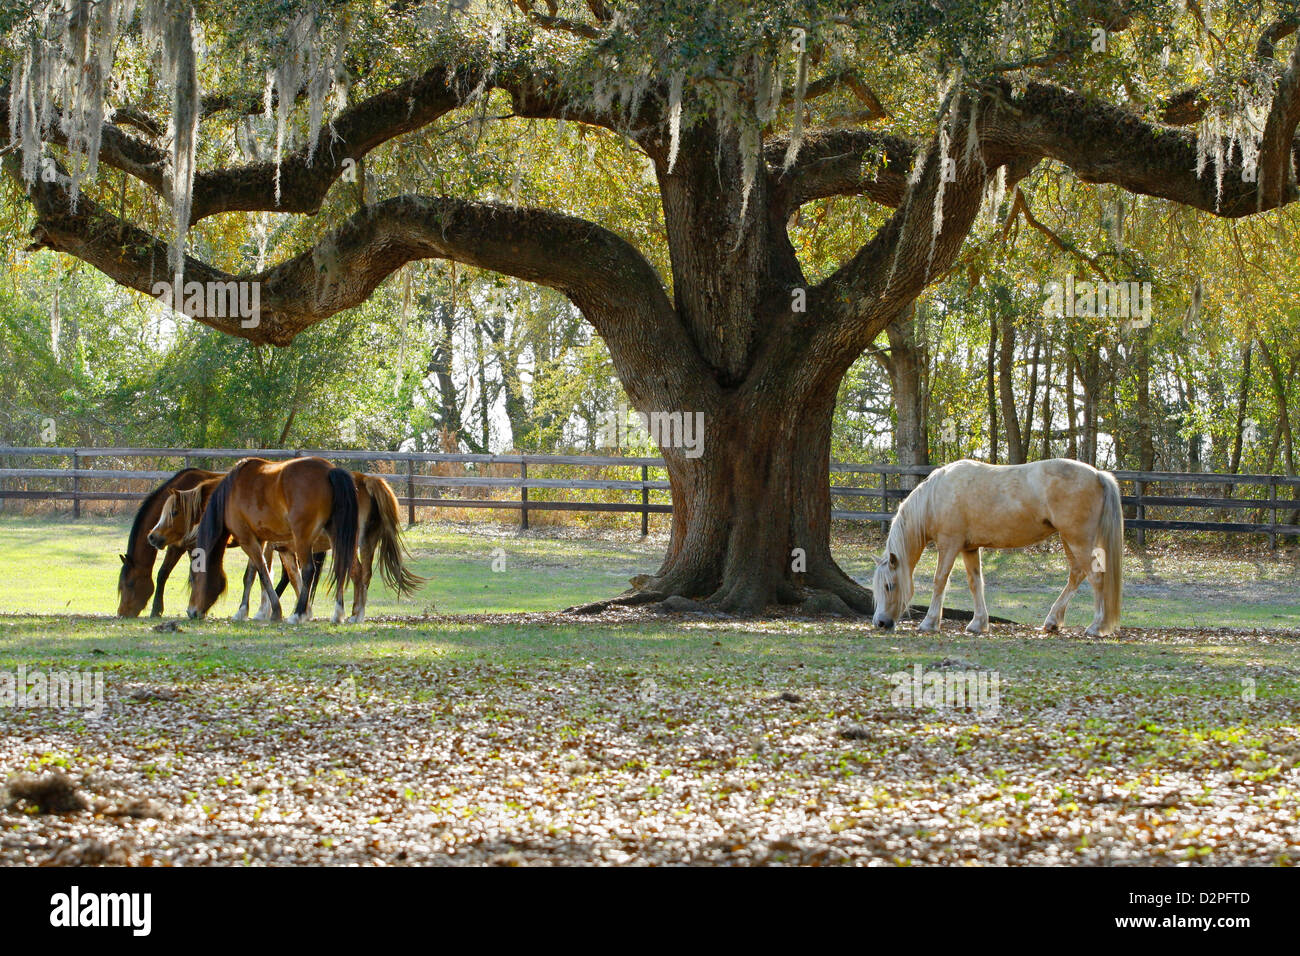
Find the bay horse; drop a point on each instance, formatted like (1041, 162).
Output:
(178, 525)
(968, 505)
(135, 579)
(380, 532)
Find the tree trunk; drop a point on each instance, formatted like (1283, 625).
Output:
(905, 364)
(1047, 396)
(1091, 376)
(1243, 396)
(1006, 392)
(1146, 446)
(990, 387)
(751, 512)
(1032, 398)
(1071, 421)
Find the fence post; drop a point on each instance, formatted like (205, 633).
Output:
(76, 485)
(1272, 500)
(523, 493)
(410, 492)
(884, 500)
(645, 501)
(1141, 514)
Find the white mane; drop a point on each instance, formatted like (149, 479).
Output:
(909, 531)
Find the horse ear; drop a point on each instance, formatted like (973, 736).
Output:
(893, 560)
(880, 560)
(125, 559)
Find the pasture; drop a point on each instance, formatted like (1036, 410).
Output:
(477, 724)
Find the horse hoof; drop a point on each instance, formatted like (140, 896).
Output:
(976, 628)
(356, 618)
(1050, 627)
(241, 615)
(926, 628)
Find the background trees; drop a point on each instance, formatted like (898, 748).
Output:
(740, 202)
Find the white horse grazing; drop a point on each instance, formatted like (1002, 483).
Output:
(969, 505)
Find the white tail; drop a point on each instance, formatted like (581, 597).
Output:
(1110, 537)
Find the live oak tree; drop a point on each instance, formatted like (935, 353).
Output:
(744, 114)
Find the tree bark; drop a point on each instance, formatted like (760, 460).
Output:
(1243, 397)
(906, 365)
(1047, 396)
(1006, 391)
(990, 387)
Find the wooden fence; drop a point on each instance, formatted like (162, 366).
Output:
(1166, 494)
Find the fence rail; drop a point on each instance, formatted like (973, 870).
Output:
(1277, 496)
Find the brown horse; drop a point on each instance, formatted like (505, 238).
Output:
(135, 580)
(380, 531)
(293, 501)
(178, 524)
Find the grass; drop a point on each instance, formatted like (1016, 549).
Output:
(61, 566)
(633, 738)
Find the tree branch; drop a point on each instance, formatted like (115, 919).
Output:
(1107, 144)
(844, 162)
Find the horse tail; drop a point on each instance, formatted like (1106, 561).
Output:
(1110, 538)
(210, 542)
(343, 518)
(391, 549)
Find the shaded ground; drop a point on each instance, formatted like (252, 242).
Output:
(629, 738)
(544, 738)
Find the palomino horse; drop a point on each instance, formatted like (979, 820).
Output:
(178, 527)
(380, 531)
(969, 505)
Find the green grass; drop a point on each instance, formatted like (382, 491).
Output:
(504, 734)
(61, 566)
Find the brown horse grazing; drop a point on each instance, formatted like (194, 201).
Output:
(135, 580)
(178, 524)
(295, 501)
(380, 527)
(380, 531)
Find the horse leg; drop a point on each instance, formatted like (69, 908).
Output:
(979, 622)
(362, 569)
(947, 555)
(254, 551)
(319, 558)
(1098, 598)
(288, 575)
(1077, 573)
(310, 572)
(241, 612)
(168, 562)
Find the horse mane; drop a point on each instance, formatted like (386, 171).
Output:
(211, 538)
(137, 526)
(908, 530)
